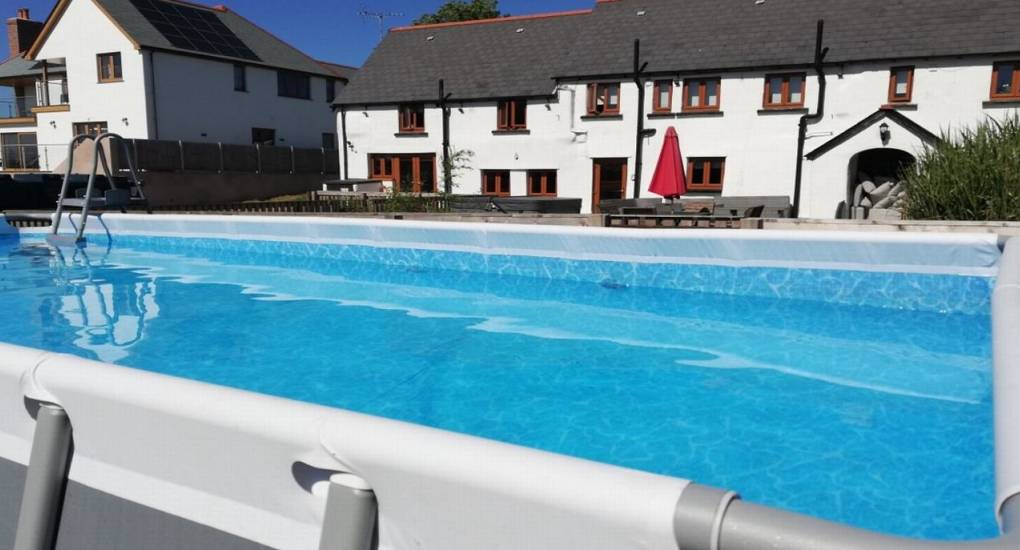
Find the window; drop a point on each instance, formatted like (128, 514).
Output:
(380, 167)
(110, 69)
(901, 84)
(412, 118)
(1006, 80)
(291, 84)
(18, 151)
(701, 94)
(542, 183)
(330, 90)
(263, 136)
(784, 91)
(496, 183)
(329, 141)
(705, 174)
(663, 100)
(89, 128)
(240, 78)
(603, 99)
(512, 114)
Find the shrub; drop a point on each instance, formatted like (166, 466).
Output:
(974, 175)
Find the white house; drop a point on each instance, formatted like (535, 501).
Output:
(548, 103)
(157, 69)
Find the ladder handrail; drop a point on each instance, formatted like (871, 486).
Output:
(75, 141)
(98, 155)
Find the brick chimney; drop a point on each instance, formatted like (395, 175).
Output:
(21, 32)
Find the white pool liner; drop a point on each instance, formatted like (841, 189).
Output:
(965, 254)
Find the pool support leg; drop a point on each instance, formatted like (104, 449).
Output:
(45, 481)
(351, 515)
(712, 519)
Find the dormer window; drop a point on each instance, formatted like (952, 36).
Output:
(784, 91)
(701, 94)
(512, 114)
(901, 84)
(1006, 81)
(412, 118)
(604, 99)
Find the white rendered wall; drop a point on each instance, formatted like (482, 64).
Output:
(760, 148)
(196, 101)
(83, 32)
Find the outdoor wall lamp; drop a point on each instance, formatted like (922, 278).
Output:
(125, 121)
(884, 133)
(53, 124)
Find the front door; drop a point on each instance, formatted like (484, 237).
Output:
(410, 173)
(609, 181)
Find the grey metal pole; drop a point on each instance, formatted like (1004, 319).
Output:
(47, 477)
(351, 512)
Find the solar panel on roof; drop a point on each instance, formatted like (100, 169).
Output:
(195, 29)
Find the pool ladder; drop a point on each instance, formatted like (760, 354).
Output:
(113, 198)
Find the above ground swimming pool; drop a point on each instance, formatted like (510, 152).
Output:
(858, 396)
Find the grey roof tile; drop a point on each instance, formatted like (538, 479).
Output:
(486, 60)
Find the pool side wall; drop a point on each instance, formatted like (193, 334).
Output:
(1006, 349)
(256, 467)
(973, 254)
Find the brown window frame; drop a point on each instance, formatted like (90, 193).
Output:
(100, 127)
(893, 98)
(1014, 95)
(601, 89)
(702, 84)
(785, 102)
(506, 114)
(411, 118)
(111, 61)
(386, 166)
(706, 166)
(657, 106)
(543, 183)
(500, 181)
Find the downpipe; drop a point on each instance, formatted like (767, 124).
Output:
(819, 59)
(711, 519)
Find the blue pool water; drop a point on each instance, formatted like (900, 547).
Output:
(861, 398)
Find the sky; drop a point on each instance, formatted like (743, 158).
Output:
(330, 30)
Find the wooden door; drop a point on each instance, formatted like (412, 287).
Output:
(609, 181)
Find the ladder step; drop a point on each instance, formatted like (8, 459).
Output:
(65, 240)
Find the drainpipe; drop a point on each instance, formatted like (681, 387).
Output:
(820, 53)
(343, 140)
(447, 165)
(155, 108)
(639, 136)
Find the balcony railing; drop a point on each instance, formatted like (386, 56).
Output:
(18, 157)
(17, 107)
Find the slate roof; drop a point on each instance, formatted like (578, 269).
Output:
(343, 71)
(17, 66)
(692, 35)
(478, 60)
(483, 60)
(272, 51)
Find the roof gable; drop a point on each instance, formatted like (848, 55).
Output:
(867, 122)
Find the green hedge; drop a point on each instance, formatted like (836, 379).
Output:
(974, 175)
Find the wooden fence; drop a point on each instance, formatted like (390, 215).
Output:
(183, 156)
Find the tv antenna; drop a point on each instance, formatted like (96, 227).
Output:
(380, 17)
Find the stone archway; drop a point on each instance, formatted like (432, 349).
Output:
(874, 183)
